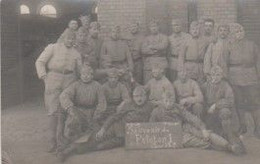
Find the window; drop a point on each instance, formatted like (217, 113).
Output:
(24, 9)
(48, 11)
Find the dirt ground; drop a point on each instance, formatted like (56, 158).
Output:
(24, 137)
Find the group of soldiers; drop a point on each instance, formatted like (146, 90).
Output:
(205, 81)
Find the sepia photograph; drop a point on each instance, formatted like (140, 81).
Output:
(130, 81)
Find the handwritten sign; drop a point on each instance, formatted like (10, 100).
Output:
(153, 135)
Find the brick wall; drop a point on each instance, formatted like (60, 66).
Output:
(11, 68)
(120, 12)
(222, 11)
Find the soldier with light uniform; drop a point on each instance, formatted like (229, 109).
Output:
(244, 76)
(218, 52)
(192, 54)
(58, 65)
(154, 50)
(188, 94)
(177, 40)
(158, 85)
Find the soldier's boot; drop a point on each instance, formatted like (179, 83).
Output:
(221, 143)
(110, 143)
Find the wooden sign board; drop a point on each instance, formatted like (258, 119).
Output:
(155, 135)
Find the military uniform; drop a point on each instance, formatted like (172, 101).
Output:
(114, 97)
(224, 120)
(88, 102)
(192, 57)
(217, 55)
(244, 73)
(157, 88)
(177, 41)
(60, 66)
(154, 50)
(190, 90)
(135, 46)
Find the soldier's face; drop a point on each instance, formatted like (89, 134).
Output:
(216, 77)
(86, 76)
(69, 41)
(176, 27)
(154, 29)
(134, 28)
(73, 25)
(208, 27)
(195, 31)
(157, 73)
(85, 23)
(139, 97)
(223, 32)
(239, 33)
(113, 80)
(94, 32)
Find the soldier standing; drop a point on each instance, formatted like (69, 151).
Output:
(135, 41)
(192, 54)
(177, 40)
(154, 50)
(85, 22)
(208, 35)
(72, 28)
(188, 94)
(58, 65)
(244, 73)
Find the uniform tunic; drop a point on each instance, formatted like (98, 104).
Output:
(135, 45)
(115, 53)
(157, 88)
(192, 56)
(88, 101)
(154, 50)
(217, 55)
(61, 67)
(114, 97)
(176, 44)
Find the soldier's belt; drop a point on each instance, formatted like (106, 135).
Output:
(64, 72)
(194, 61)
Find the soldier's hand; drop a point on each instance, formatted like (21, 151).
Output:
(100, 134)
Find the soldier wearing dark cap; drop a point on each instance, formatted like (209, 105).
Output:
(115, 92)
(244, 73)
(72, 28)
(112, 133)
(154, 50)
(58, 65)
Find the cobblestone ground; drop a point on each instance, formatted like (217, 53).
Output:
(24, 137)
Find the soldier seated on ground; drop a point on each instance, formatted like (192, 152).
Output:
(115, 92)
(158, 85)
(188, 93)
(112, 133)
(221, 115)
(195, 132)
(72, 28)
(83, 100)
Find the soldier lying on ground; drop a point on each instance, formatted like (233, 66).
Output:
(195, 132)
(83, 101)
(188, 93)
(112, 133)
